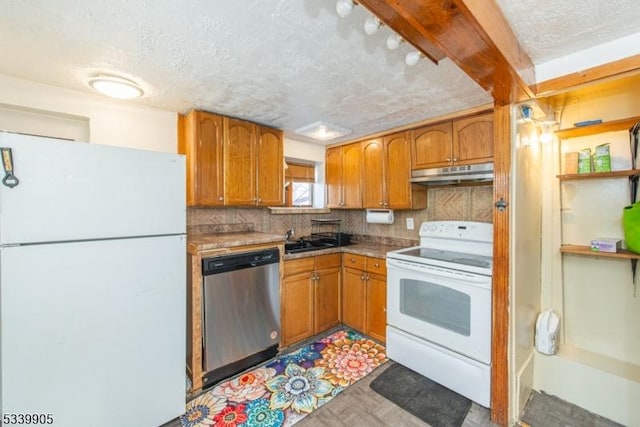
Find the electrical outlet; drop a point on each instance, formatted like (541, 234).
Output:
(409, 223)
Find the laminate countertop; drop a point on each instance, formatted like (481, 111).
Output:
(376, 250)
(197, 243)
(203, 242)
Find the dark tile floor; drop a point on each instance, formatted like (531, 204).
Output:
(544, 410)
(359, 406)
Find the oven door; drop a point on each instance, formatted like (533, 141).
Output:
(449, 308)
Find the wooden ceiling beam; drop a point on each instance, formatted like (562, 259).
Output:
(474, 34)
(615, 69)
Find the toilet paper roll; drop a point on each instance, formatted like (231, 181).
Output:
(380, 216)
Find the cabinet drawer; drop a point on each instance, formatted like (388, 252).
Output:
(295, 266)
(354, 261)
(328, 261)
(377, 266)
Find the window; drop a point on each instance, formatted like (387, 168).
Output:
(299, 180)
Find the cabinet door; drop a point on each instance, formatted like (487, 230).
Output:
(201, 141)
(270, 167)
(297, 308)
(397, 171)
(473, 139)
(327, 299)
(353, 299)
(376, 307)
(333, 176)
(431, 146)
(352, 175)
(374, 183)
(239, 162)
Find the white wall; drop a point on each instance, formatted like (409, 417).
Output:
(527, 182)
(591, 57)
(598, 365)
(111, 122)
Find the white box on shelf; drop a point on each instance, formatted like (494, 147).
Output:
(604, 244)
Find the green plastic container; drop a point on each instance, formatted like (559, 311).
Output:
(631, 225)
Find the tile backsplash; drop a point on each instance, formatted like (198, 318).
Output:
(472, 203)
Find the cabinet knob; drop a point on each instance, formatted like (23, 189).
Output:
(455, 159)
(362, 277)
(376, 265)
(220, 198)
(353, 260)
(380, 203)
(448, 159)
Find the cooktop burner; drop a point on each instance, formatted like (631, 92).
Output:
(447, 256)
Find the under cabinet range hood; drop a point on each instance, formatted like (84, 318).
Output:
(451, 175)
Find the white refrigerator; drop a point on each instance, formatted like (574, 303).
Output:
(92, 283)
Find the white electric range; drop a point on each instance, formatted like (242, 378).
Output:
(439, 306)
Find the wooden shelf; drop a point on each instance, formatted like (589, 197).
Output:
(599, 175)
(586, 250)
(612, 126)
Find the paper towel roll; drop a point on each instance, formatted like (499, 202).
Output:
(380, 216)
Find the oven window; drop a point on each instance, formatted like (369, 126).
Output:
(437, 305)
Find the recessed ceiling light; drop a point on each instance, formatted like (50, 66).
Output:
(323, 131)
(116, 87)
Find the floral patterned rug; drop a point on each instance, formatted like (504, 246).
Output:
(288, 388)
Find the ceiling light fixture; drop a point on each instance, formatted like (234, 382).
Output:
(372, 25)
(322, 131)
(413, 57)
(394, 41)
(344, 7)
(115, 87)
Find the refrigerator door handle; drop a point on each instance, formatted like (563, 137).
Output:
(9, 179)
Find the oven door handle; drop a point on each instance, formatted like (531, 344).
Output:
(400, 266)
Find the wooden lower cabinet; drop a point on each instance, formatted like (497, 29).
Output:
(297, 308)
(376, 324)
(326, 299)
(364, 295)
(310, 297)
(353, 299)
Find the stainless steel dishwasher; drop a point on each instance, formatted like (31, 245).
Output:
(241, 319)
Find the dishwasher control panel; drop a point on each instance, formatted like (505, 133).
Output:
(223, 263)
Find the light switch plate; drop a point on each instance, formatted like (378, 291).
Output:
(409, 223)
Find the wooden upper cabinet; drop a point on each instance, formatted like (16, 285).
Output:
(461, 142)
(473, 139)
(387, 172)
(431, 146)
(253, 164)
(352, 176)
(200, 140)
(343, 176)
(239, 161)
(333, 176)
(270, 167)
(400, 193)
(374, 194)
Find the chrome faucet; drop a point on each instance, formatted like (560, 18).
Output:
(289, 234)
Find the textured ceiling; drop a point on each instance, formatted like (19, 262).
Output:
(284, 63)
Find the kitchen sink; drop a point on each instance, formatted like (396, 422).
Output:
(306, 245)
